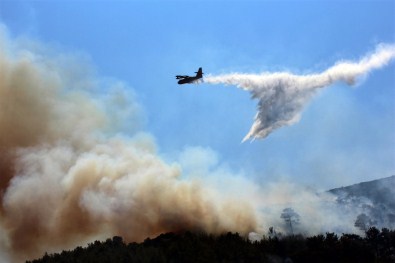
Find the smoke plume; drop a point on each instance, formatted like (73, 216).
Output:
(282, 95)
(75, 168)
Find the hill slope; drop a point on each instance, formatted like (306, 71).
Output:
(189, 247)
(376, 199)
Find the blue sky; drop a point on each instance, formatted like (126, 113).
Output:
(346, 135)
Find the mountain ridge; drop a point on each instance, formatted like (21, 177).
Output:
(375, 200)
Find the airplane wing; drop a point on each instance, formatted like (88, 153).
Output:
(182, 76)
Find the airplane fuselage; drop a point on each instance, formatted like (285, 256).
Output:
(188, 80)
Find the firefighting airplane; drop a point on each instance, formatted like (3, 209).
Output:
(184, 79)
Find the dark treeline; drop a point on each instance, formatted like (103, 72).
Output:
(376, 246)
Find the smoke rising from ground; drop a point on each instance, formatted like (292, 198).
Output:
(282, 95)
(74, 168)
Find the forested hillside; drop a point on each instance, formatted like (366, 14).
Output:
(376, 246)
(378, 191)
(375, 200)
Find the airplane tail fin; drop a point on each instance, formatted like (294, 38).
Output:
(199, 73)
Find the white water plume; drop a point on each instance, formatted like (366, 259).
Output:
(282, 95)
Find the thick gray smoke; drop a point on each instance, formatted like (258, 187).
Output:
(282, 95)
(74, 168)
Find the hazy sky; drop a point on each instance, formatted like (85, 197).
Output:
(346, 134)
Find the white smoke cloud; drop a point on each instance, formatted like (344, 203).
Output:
(282, 95)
